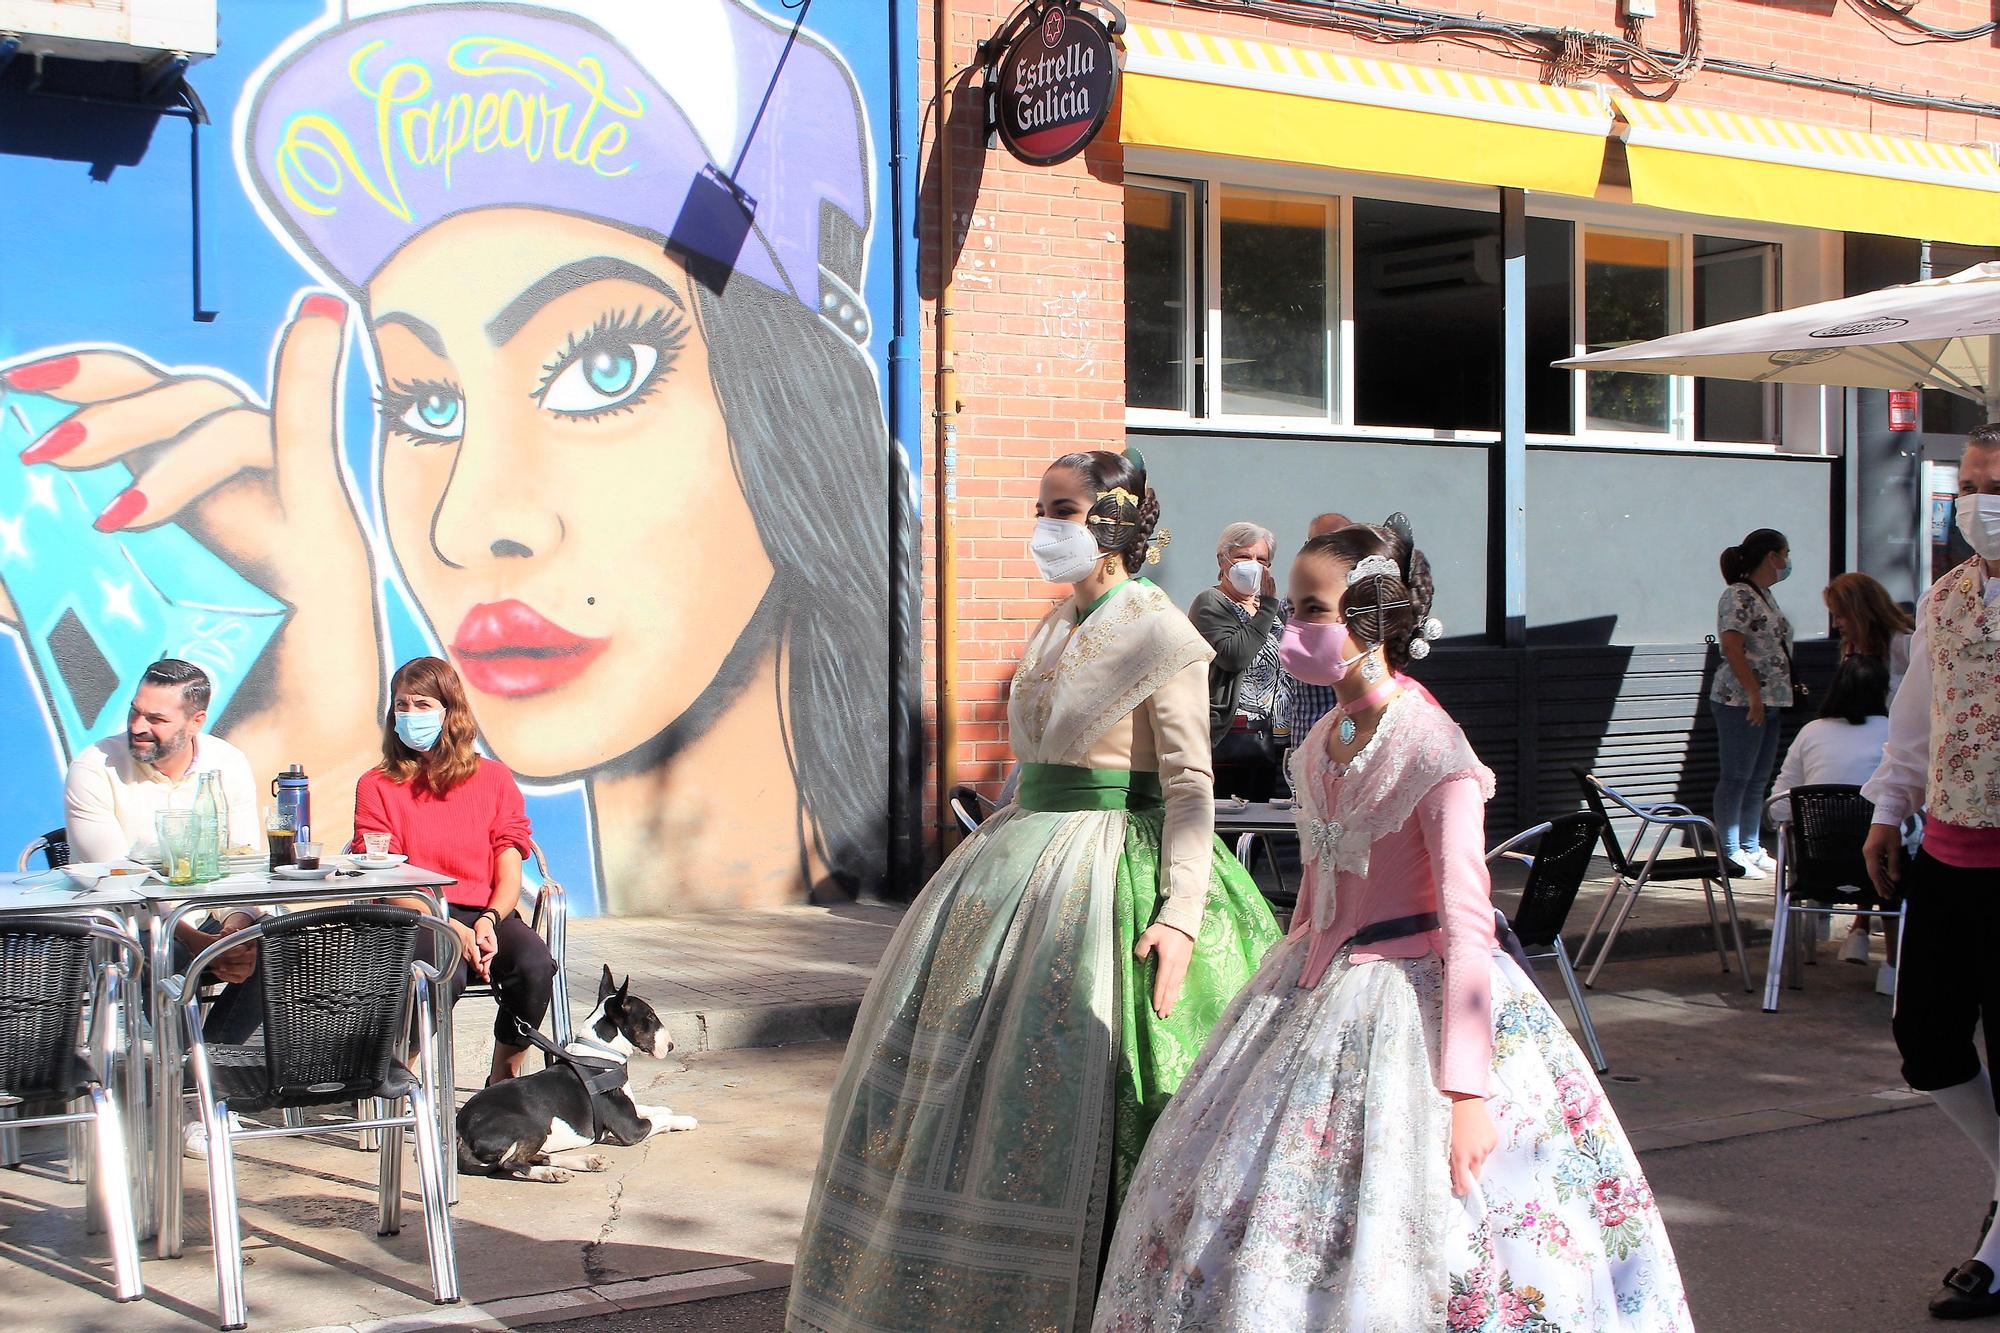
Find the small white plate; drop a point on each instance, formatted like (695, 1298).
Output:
(389, 862)
(294, 872)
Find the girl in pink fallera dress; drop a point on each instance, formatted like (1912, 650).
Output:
(1389, 1130)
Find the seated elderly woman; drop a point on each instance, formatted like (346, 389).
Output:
(1241, 617)
(450, 810)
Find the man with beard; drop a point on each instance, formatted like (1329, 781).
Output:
(116, 787)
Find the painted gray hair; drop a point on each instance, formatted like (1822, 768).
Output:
(1239, 535)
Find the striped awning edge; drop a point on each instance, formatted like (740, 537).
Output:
(1736, 134)
(1242, 62)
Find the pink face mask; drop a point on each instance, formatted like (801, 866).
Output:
(1315, 653)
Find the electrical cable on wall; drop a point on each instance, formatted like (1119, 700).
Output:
(1569, 55)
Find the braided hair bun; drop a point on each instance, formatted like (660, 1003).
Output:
(1390, 604)
(1127, 512)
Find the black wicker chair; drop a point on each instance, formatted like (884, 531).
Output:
(1635, 871)
(342, 986)
(46, 973)
(1821, 872)
(969, 807)
(52, 847)
(1556, 872)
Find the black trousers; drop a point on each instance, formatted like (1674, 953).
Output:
(522, 972)
(1948, 981)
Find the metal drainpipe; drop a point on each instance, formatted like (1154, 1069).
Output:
(947, 433)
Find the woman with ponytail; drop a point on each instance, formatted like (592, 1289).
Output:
(1050, 987)
(1753, 686)
(1389, 1129)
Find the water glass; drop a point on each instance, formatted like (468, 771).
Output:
(180, 833)
(376, 845)
(306, 856)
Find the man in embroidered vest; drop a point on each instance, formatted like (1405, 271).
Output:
(1944, 754)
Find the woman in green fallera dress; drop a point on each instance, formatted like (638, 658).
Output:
(1050, 987)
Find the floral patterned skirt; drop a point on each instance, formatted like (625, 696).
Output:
(1300, 1178)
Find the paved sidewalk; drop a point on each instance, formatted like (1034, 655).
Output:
(693, 1216)
(778, 976)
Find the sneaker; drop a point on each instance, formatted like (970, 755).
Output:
(194, 1137)
(1746, 869)
(1854, 949)
(1760, 859)
(1885, 980)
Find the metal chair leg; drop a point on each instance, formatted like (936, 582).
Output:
(1715, 923)
(1736, 929)
(1611, 936)
(1780, 934)
(434, 1173)
(1597, 1060)
(1583, 948)
(76, 1154)
(390, 1183)
(10, 1139)
(111, 1186)
(224, 1225)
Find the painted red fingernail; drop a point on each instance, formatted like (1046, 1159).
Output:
(122, 510)
(321, 306)
(55, 444)
(39, 376)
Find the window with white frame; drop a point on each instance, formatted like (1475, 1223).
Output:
(1274, 282)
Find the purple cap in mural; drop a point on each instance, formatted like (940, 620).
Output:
(374, 130)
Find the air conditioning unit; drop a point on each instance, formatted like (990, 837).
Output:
(1471, 262)
(135, 32)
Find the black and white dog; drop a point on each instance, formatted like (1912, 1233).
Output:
(531, 1128)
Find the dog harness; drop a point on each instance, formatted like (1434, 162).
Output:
(597, 1075)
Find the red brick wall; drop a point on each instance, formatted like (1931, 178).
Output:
(1037, 254)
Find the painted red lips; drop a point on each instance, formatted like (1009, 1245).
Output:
(512, 650)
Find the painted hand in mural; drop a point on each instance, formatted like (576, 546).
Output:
(261, 487)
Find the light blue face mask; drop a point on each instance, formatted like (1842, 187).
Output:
(420, 731)
(1784, 572)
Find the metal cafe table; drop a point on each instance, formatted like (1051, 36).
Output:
(169, 905)
(1267, 820)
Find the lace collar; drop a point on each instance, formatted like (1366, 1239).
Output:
(1344, 809)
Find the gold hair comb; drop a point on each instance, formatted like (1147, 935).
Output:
(1121, 495)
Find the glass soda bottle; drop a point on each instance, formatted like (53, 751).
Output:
(208, 806)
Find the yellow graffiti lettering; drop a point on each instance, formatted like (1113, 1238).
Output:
(570, 114)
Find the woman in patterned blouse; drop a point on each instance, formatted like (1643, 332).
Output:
(1755, 682)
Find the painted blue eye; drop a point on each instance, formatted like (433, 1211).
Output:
(611, 374)
(601, 377)
(435, 414)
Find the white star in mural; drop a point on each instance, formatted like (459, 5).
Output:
(11, 545)
(118, 602)
(42, 489)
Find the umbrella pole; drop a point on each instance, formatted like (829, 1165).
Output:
(1987, 381)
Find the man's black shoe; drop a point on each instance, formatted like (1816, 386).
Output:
(1968, 1293)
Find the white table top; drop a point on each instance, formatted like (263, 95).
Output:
(1255, 814)
(51, 890)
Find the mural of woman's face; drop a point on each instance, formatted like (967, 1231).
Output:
(557, 479)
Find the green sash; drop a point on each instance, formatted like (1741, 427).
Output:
(1061, 787)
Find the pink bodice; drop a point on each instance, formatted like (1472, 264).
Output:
(1434, 862)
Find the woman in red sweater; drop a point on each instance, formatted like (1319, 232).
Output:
(451, 811)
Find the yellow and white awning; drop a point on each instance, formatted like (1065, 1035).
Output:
(1729, 164)
(1235, 97)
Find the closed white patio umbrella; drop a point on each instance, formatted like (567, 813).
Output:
(1939, 334)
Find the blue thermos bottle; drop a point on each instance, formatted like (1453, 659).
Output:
(292, 793)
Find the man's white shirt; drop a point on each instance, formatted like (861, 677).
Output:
(110, 798)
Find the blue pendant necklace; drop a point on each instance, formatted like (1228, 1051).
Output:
(1345, 730)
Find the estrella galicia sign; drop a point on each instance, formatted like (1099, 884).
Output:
(1056, 83)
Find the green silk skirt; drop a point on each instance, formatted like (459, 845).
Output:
(1007, 1066)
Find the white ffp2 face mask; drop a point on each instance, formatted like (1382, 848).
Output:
(1246, 576)
(1064, 552)
(1979, 522)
